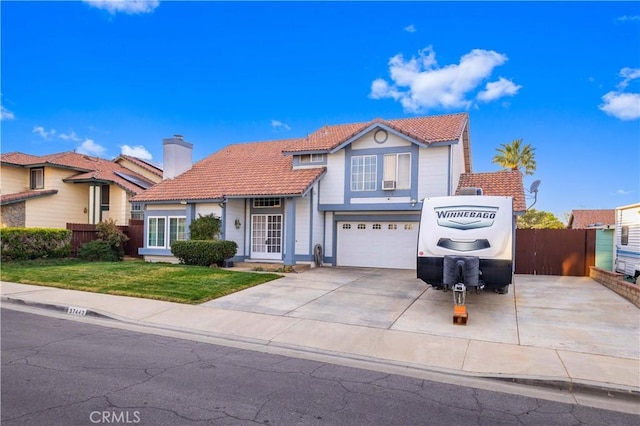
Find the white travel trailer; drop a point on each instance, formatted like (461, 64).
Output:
(626, 246)
(473, 231)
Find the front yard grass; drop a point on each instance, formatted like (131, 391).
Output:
(161, 281)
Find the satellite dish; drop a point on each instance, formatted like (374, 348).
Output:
(534, 186)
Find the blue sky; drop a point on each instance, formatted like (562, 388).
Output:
(109, 77)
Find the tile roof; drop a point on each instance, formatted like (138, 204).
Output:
(90, 168)
(426, 130)
(25, 195)
(505, 183)
(252, 169)
(147, 165)
(582, 219)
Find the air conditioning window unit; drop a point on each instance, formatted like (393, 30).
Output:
(388, 184)
(470, 191)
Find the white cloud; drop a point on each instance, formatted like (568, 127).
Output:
(628, 74)
(629, 18)
(620, 104)
(498, 89)
(44, 134)
(5, 114)
(419, 83)
(70, 136)
(625, 106)
(130, 7)
(136, 151)
(410, 28)
(89, 147)
(279, 124)
(623, 192)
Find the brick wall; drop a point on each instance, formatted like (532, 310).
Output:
(614, 281)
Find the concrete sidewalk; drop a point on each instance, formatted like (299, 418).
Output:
(578, 353)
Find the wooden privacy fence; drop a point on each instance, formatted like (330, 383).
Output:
(568, 252)
(84, 232)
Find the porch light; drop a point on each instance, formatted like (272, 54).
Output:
(237, 223)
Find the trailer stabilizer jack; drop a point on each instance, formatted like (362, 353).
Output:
(460, 314)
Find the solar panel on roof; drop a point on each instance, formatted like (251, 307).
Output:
(135, 180)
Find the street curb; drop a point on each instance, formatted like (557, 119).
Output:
(571, 386)
(60, 308)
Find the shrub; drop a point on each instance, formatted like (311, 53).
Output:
(97, 251)
(202, 252)
(205, 227)
(34, 243)
(108, 231)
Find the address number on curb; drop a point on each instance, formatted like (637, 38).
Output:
(77, 311)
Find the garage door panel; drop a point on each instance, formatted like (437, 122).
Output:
(377, 244)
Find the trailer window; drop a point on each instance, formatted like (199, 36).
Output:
(624, 236)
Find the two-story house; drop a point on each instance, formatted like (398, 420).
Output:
(348, 193)
(50, 191)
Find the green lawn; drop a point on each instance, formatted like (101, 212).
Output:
(174, 283)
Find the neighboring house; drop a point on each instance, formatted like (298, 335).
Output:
(506, 182)
(592, 219)
(345, 195)
(50, 191)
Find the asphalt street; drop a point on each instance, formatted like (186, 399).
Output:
(61, 372)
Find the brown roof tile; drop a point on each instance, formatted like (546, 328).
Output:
(237, 170)
(25, 195)
(426, 130)
(503, 183)
(582, 219)
(90, 168)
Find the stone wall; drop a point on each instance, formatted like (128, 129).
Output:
(13, 215)
(614, 281)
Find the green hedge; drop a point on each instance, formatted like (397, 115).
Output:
(34, 243)
(98, 251)
(203, 252)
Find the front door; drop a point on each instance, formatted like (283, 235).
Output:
(266, 236)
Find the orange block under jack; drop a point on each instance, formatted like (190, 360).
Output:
(460, 315)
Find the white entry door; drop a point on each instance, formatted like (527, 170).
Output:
(266, 236)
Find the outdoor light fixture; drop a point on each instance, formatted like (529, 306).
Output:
(183, 202)
(237, 223)
(413, 202)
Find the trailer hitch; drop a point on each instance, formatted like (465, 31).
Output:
(460, 314)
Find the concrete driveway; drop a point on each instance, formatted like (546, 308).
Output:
(570, 313)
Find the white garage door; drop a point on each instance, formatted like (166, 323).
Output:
(377, 244)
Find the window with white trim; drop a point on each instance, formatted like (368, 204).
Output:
(177, 227)
(263, 203)
(36, 178)
(311, 158)
(397, 168)
(364, 169)
(156, 231)
(137, 211)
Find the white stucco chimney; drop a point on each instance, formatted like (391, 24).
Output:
(177, 156)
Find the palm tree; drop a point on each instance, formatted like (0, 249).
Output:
(515, 156)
